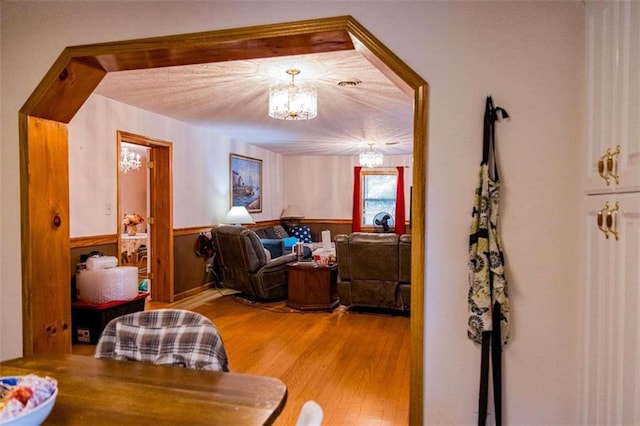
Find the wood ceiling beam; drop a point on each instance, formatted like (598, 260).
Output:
(69, 79)
(165, 52)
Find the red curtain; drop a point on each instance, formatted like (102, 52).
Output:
(356, 218)
(400, 215)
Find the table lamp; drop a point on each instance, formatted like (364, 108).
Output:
(238, 215)
(292, 215)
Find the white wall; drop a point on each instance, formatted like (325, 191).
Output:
(528, 55)
(200, 167)
(322, 186)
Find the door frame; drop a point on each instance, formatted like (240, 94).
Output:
(79, 70)
(160, 212)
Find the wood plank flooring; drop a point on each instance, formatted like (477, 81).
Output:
(354, 364)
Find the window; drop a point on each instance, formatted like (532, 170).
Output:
(378, 194)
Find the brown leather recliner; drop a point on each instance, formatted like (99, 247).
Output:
(244, 263)
(374, 270)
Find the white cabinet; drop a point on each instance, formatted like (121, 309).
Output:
(610, 379)
(611, 359)
(613, 96)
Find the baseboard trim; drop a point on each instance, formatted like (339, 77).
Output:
(193, 291)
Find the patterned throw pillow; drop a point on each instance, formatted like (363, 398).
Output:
(280, 232)
(302, 233)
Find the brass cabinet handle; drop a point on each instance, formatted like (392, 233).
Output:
(601, 219)
(612, 163)
(601, 169)
(612, 223)
(608, 165)
(606, 219)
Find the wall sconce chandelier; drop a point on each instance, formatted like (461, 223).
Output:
(129, 160)
(293, 102)
(371, 158)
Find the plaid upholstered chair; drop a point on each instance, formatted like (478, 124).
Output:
(164, 336)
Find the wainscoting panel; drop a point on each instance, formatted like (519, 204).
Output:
(190, 273)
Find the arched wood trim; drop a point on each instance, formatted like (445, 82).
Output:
(75, 75)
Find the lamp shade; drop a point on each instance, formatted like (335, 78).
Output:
(238, 215)
(292, 212)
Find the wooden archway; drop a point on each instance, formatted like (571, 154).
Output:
(77, 72)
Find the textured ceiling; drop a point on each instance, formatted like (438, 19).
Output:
(233, 97)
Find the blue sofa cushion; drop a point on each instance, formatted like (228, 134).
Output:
(275, 246)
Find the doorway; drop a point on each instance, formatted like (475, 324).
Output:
(134, 234)
(70, 81)
(153, 195)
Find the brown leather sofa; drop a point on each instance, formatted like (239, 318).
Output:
(244, 264)
(374, 270)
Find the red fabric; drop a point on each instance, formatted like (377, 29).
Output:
(400, 214)
(356, 218)
(100, 306)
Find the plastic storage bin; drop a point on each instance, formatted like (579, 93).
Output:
(88, 320)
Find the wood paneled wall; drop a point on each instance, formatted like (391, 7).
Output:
(189, 270)
(190, 273)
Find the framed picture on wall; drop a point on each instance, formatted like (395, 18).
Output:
(246, 182)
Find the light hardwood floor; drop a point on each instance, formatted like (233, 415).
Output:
(355, 365)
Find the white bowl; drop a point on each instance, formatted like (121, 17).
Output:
(34, 417)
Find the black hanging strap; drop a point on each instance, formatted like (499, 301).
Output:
(488, 137)
(484, 378)
(496, 363)
(491, 344)
(491, 340)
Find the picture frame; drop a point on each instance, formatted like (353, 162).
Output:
(245, 182)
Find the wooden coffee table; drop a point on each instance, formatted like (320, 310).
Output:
(312, 286)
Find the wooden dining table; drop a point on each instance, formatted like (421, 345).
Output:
(107, 392)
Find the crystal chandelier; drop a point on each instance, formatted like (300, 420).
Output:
(129, 160)
(371, 158)
(293, 102)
